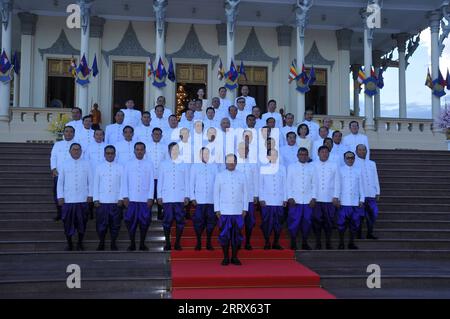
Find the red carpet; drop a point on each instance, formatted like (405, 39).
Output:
(264, 274)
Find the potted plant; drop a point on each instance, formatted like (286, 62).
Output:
(57, 126)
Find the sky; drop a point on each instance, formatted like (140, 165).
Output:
(418, 96)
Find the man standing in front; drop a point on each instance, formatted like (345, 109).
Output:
(300, 189)
(107, 200)
(351, 200)
(137, 193)
(74, 190)
(173, 194)
(132, 116)
(371, 189)
(272, 198)
(59, 155)
(201, 182)
(326, 195)
(230, 205)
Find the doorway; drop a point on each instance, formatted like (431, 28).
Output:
(60, 84)
(316, 98)
(128, 84)
(190, 78)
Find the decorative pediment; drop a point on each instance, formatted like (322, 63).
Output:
(253, 51)
(61, 46)
(315, 58)
(128, 46)
(193, 49)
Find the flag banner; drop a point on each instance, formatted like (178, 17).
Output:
(302, 81)
(16, 63)
(312, 76)
(231, 78)
(221, 71)
(380, 82)
(6, 69)
(242, 71)
(95, 71)
(439, 85)
(73, 67)
(83, 72)
(171, 72)
(160, 75)
(429, 80)
(371, 85)
(150, 70)
(447, 80)
(361, 76)
(292, 73)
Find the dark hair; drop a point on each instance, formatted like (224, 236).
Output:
(172, 115)
(309, 110)
(336, 132)
(128, 126)
(74, 144)
(156, 129)
(270, 101)
(300, 126)
(69, 126)
(289, 133)
(254, 107)
(171, 145)
(99, 129)
(146, 112)
(79, 109)
(349, 152)
(269, 118)
(350, 124)
(289, 114)
(240, 99)
(229, 108)
(250, 115)
(210, 108)
(324, 127)
(139, 143)
(222, 87)
(303, 149)
(87, 117)
(322, 148)
(159, 105)
(111, 147)
(120, 111)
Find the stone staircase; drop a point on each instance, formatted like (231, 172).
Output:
(413, 249)
(32, 258)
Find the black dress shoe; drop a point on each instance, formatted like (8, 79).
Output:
(341, 246)
(277, 246)
(114, 246)
(371, 236)
(132, 247)
(167, 247)
(329, 247)
(80, 246)
(236, 261)
(101, 246)
(318, 246)
(209, 246)
(57, 218)
(248, 247)
(178, 247)
(68, 248)
(225, 262)
(198, 246)
(143, 247)
(267, 246)
(352, 246)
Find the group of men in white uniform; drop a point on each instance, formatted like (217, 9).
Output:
(226, 167)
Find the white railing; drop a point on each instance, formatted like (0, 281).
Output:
(30, 124)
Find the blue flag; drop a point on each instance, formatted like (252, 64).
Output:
(302, 81)
(380, 82)
(160, 75)
(447, 80)
(95, 67)
(16, 63)
(171, 72)
(231, 77)
(6, 73)
(312, 76)
(242, 71)
(83, 72)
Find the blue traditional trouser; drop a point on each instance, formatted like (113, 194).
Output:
(230, 230)
(323, 217)
(204, 218)
(349, 216)
(136, 214)
(272, 219)
(74, 217)
(300, 216)
(173, 211)
(109, 216)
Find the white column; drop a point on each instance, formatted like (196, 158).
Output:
(231, 12)
(6, 15)
(301, 13)
(401, 44)
(377, 98)
(85, 5)
(368, 101)
(435, 18)
(96, 34)
(159, 7)
(28, 29)
(16, 89)
(344, 38)
(355, 71)
(284, 35)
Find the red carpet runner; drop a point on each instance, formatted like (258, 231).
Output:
(264, 274)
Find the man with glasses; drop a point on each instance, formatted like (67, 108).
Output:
(351, 200)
